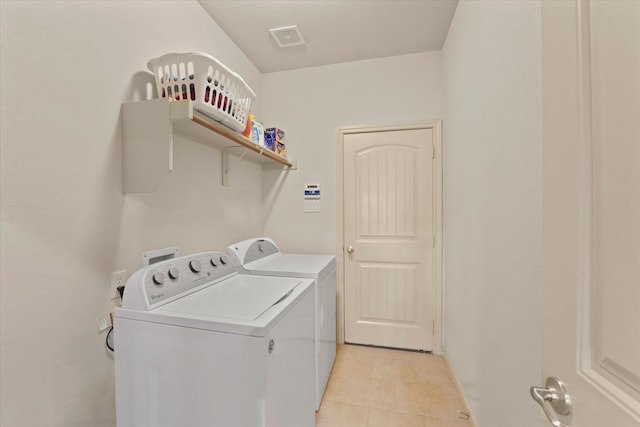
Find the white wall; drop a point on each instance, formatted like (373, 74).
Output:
(493, 207)
(66, 69)
(67, 66)
(310, 104)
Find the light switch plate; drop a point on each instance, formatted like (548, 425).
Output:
(312, 206)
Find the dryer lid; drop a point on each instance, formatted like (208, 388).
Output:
(292, 265)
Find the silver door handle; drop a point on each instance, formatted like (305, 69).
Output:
(350, 249)
(554, 399)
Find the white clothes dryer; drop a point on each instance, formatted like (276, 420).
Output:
(197, 344)
(261, 256)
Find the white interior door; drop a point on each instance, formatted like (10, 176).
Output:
(591, 60)
(390, 238)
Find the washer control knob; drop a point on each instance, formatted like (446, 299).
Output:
(214, 262)
(158, 278)
(223, 260)
(261, 247)
(195, 266)
(174, 273)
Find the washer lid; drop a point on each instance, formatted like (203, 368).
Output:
(292, 265)
(243, 298)
(219, 308)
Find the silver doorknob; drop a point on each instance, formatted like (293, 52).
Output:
(350, 249)
(554, 399)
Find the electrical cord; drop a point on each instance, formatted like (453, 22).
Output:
(109, 346)
(108, 339)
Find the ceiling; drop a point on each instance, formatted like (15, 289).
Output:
(334, 31)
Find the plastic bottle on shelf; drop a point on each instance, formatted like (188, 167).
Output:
(247, 129)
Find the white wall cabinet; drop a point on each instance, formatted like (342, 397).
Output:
(147, 139)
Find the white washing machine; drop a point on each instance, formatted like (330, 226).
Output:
(197, 344)
(261, 256)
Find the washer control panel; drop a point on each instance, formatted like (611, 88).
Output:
(165, 281)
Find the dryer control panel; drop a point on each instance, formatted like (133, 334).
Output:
(252, 249)
(157, 284)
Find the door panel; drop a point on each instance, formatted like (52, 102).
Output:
(591, 208)
(385, 183)
(387, 292)
(615, 96)
(389, 224)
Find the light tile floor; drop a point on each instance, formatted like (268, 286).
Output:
(372, 387)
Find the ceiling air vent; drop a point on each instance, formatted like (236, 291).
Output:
(287, 36)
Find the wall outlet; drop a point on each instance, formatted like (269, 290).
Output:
(118, 278)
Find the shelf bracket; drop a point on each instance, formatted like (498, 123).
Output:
(226, 163)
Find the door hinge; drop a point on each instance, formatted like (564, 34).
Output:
(434, 240)
(433, 327)
(433, 155)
